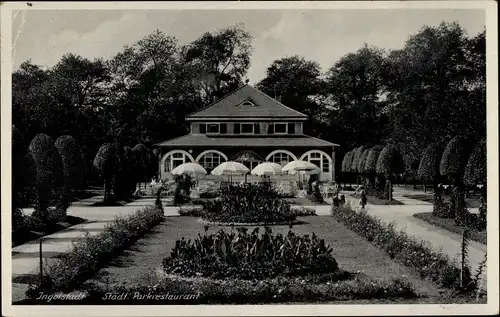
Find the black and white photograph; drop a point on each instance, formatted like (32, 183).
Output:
(297, 158)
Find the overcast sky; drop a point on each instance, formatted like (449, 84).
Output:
(320, 35)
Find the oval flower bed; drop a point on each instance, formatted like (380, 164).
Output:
(248, 204)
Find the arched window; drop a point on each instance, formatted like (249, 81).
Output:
(281, 157)
(175, 158)
(320, 159)
(211, 159)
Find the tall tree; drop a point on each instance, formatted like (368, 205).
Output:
(72, 167)
(222, 59)
(298, 83)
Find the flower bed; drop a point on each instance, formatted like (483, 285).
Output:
(248, 203)
(90, 254)
(413, 253)
(250, 255)
(168, 289)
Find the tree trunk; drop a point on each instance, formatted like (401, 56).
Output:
(459, 197)
(425, 188)
(105, 191)
(390, 189)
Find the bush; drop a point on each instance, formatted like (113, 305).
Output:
(191, 211)
(182, 193)
(243, 255)
(72, 167)
(362, 161)
(210, 194)
(347, 162)
(90, 254)
(302, 211)
(428, 169)
(49, 177)
(356, 157)
(166, 289)
(454, 159)
(249, 203)
(409, 251)
(105, 163)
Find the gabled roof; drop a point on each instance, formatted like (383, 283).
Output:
(246, 102)
(261, 141)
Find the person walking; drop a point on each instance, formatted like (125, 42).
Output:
(363, 199)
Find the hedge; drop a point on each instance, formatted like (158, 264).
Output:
(90, 254)
(411, 252)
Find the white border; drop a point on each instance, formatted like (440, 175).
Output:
(256, 310)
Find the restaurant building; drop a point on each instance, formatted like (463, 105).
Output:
(249, 127)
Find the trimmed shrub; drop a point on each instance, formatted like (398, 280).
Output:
(409, 251)
(248, 203)
(105, 163)
(182, 193)
(362, 161)
(72, 165)
(347, 162)
(389, 161)
(250, 255)
(475, 170)
(453, 162)
(49, 176)
(428, 171)
(92, 253)
(357, 152)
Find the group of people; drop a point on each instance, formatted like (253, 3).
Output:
(341, 201)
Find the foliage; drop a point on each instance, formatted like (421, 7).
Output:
(233, 291)
(455, 158)
(90, 254)
(221, 58)
(105, 163)
(249, 203)
(413, 253)
(357, 152)
(251, 255)
(389, 161)
(448, 224)
(184, 183)
(72, 166)
(142, 160)
(371, 160)
(362, 161)
(475, 170)
(428, 170)
(347, 161)
(49, 177)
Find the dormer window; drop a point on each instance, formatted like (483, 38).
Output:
(280, 128)
(213, 128)
(247, 104)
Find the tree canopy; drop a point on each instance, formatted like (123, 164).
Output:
(454, 159)
(475, 170)
(428, 170)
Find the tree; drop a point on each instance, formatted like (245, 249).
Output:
(142, 159)
(105, 164)
(347, 162)
(371, 164)
(475, 174)
(452, 165)
(222, 59)
(389, 163)
(428, 171)
(435, 89)
(49, 176)
(72, 167)
(361, 165)
(129, 169)
(356, 109)
(18, 170)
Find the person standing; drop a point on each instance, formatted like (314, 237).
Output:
(363, 200)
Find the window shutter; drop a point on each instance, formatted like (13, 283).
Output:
(223, 128)
(203, 128)
(270, 129)
(291, 128)
(256, 128)
(236, 128)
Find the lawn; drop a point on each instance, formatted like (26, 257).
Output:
(471, 201)
(352, 252)
(372, 200)
(449, 224)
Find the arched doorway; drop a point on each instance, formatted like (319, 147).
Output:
(248, 158)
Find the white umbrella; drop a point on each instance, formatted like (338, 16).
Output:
(192, 169)
(230, 168)
(266, 168)
(301, 166)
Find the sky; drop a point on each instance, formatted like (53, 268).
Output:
(320, 35)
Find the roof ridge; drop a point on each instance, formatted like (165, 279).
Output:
(214, 102)
(278, 102)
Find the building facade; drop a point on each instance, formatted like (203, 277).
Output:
(250, 127)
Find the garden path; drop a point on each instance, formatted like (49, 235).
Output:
(440, 239)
